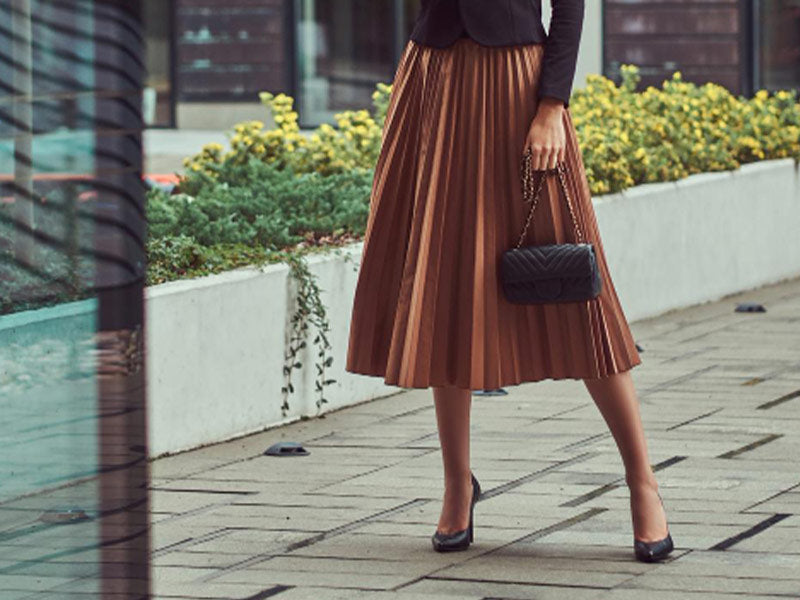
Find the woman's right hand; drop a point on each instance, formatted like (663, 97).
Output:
(546, 136)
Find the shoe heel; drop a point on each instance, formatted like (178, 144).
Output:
(459, 540)
(476, 494)
(653, 551)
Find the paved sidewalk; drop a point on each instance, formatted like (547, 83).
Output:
(720, 401)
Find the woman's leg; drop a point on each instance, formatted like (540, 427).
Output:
(452, 417)
(615, 397)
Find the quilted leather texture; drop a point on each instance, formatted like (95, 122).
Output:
(550, 273)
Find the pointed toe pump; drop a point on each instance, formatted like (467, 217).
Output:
(653, 551)
(458, 540)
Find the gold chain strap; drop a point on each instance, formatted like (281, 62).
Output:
(527, 180)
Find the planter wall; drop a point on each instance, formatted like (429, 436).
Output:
(215, 345)
(674, 244)
(215, 353)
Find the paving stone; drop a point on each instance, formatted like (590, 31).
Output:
(250, 542)
(651, 594)
(180, 574)
(372, 565)
(735, 563)
(517, 569)
(189, 558)
(264, 576)
(512, 591)
(12, 584)
(707, 583)
(319, 593)
(168, 535)
(208, 591)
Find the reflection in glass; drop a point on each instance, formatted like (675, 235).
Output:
(157, 98)
(73, 494)
(229, 50)
(343, 49)
(779, 44)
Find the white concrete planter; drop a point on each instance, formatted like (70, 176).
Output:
(215, 345)
(215, 353)
(674, 244)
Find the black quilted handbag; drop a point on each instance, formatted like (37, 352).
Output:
(550, 272)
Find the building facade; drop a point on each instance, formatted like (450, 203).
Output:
(744, 45)
(208, 59)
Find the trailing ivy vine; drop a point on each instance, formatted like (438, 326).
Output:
(308, 311)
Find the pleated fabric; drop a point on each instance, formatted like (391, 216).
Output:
(446, 203)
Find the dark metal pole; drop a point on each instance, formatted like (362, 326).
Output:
(22, 82)
(751, 35)
(120, 276)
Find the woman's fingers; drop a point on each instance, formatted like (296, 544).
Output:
(546, 139)
(544, 157)
(552, 157)
(536, 157)
(546, 150)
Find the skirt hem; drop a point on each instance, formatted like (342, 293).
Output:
(504, 383)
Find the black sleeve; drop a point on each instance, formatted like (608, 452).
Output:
(561, 49)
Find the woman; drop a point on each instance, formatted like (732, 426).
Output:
(478, 84)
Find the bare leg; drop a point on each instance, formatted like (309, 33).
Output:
(615, 397)
(452, 416)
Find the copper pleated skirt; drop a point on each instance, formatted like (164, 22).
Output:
(446, 203)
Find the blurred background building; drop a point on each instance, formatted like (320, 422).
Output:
(208, 59)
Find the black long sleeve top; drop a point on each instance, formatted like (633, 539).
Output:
(508, 22)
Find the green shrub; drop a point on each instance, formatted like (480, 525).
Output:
(353, 144)
(628, 137)
(244, 213)
(274, 189)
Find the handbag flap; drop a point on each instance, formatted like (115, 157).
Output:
(548, 261)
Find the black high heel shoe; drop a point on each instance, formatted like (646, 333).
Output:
(459, 540)
(653, 551)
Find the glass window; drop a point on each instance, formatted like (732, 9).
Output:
(73, 493)
(779, 45)
(157, 105)
(343, 49)
(230, 50)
